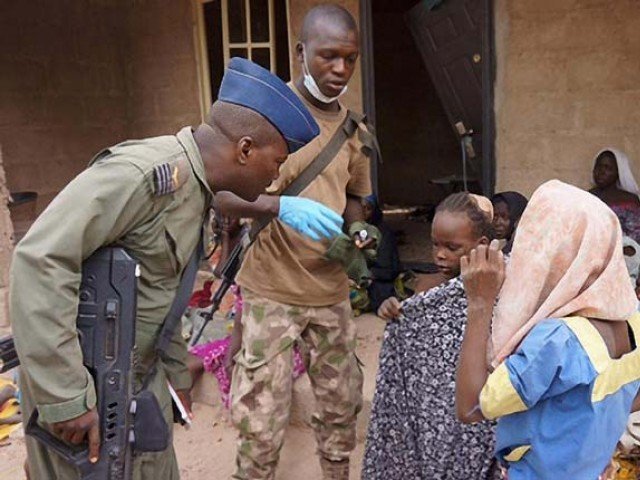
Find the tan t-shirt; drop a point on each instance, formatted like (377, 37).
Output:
(286, 267)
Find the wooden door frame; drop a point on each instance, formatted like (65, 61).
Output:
(368, 77)
(488, 79)
(488, 111)
(200, 46)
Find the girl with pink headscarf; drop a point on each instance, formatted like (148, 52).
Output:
(562, 339)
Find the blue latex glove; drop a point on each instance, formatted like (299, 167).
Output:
(310, 218)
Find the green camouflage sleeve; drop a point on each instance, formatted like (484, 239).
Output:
(96, 208)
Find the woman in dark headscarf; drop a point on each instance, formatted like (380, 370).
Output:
(507, 210)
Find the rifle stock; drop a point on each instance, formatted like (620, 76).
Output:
(106, 330)
(8, 355)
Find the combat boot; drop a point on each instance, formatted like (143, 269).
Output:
(331, 470)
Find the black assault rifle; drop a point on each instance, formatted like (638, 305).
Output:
(106, 329)
(228, 276)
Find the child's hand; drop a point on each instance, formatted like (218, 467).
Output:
(390, 309)
(483, 274)
(363, 245)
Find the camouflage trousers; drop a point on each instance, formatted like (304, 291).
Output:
(262, 381)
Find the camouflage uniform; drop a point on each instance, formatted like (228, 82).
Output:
(293, 291)
(262, 380)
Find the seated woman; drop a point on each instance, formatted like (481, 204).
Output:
(616, 186)
(413, 432)
(507, 210)
(563, 339)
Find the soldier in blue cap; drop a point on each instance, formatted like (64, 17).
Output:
(150, 196)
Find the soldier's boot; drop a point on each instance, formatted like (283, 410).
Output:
(334, 470)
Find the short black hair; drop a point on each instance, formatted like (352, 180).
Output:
(464, 202)
(334, 14)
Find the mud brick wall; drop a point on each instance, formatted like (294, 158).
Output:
(160, 65)
(62, 89)
(6, 246)
(568, 84)
(81, 75)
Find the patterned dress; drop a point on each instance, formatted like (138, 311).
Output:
(629, 216)
(414, 433)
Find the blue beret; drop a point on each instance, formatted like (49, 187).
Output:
(249, 85)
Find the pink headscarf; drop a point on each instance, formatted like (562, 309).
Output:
(567, 260)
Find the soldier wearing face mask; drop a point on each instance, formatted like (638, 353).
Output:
(291, 291)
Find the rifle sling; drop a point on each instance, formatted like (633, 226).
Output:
(316, 167)
(178, 306)
(181, 300)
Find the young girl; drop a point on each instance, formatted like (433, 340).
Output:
(562, 343)
(413, 432)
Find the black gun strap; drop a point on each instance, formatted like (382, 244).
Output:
(178, 306)
(181, 300)
(317, 165)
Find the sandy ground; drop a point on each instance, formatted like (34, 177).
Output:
(207, 450)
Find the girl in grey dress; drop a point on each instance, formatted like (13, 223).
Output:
(413, 433)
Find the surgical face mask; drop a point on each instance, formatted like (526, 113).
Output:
(312, 86)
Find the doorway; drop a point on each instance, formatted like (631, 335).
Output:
(418, 146)
(427, 81)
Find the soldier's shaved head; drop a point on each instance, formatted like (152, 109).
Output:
(327, 52)
(235, 121)
(326, 14)
(242, 151)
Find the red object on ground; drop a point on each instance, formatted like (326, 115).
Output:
(202, 298)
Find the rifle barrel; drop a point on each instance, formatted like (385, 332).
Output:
(215, 305)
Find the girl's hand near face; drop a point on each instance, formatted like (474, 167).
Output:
(483, 274)
(390, 309)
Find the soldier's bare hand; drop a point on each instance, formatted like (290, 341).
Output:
(390, 309)
(76, 430)
(185, 397)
